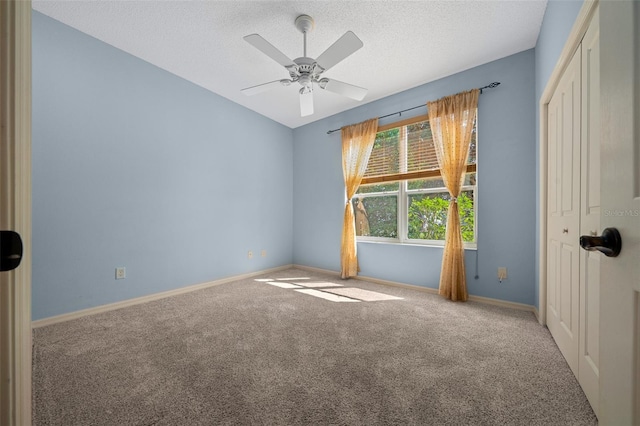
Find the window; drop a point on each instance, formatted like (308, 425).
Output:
(402, 197)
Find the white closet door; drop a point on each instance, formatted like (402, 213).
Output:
(589, 349)
(563, 216)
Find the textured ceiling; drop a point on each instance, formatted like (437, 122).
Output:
(406, 43)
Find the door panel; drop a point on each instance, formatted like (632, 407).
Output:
(567, 311)
(552, 280)
(570, 119)
(588, 364)
(552, 193)
(591, 345)
(563, 214)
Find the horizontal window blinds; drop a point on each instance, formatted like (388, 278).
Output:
(406, 151)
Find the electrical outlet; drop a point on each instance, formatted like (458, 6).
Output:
(502, 273)
(263, 253)
(250, 254)
(121, 273)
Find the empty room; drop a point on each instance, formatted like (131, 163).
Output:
(320, 212)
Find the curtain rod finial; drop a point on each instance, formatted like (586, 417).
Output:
(490, 86)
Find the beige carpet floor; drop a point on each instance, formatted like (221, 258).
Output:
(253, 353)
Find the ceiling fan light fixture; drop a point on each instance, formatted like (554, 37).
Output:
(305, 80)
(323, 82)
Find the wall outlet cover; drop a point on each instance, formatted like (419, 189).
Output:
(121, 273)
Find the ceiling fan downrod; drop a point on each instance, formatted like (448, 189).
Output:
(304, 24)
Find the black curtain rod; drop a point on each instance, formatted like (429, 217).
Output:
(488, 86)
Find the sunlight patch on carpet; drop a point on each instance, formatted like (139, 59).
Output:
(263, 280)
(327, 296)
(282, 285)
(319, 284)
(364, 295)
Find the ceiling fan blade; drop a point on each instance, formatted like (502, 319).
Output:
(343, 47)
(268, 49)
(306, 102)
(254, 90)
(344, 89)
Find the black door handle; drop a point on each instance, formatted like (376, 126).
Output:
(10, 250)
(608, 243)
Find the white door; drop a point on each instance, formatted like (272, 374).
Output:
(588, 349)
(563, 213)
(620, 196)
(15, 210)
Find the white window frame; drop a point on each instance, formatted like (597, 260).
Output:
(402, 208)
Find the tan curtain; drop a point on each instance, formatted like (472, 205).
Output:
(451, 121)
(357, 142)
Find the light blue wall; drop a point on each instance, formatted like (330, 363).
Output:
(506, 186)
(556, 26)
(131, 168)
(135, 167)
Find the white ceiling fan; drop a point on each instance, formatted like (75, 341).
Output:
(307, 71)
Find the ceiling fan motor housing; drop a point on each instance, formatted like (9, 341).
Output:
(306, 71)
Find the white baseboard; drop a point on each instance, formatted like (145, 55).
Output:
(318, 270)
(537, 314)
(481, 299)
(503, 303)
(143, 299)
(156, 296)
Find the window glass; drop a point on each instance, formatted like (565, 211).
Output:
(428, 215)
(376, 216)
